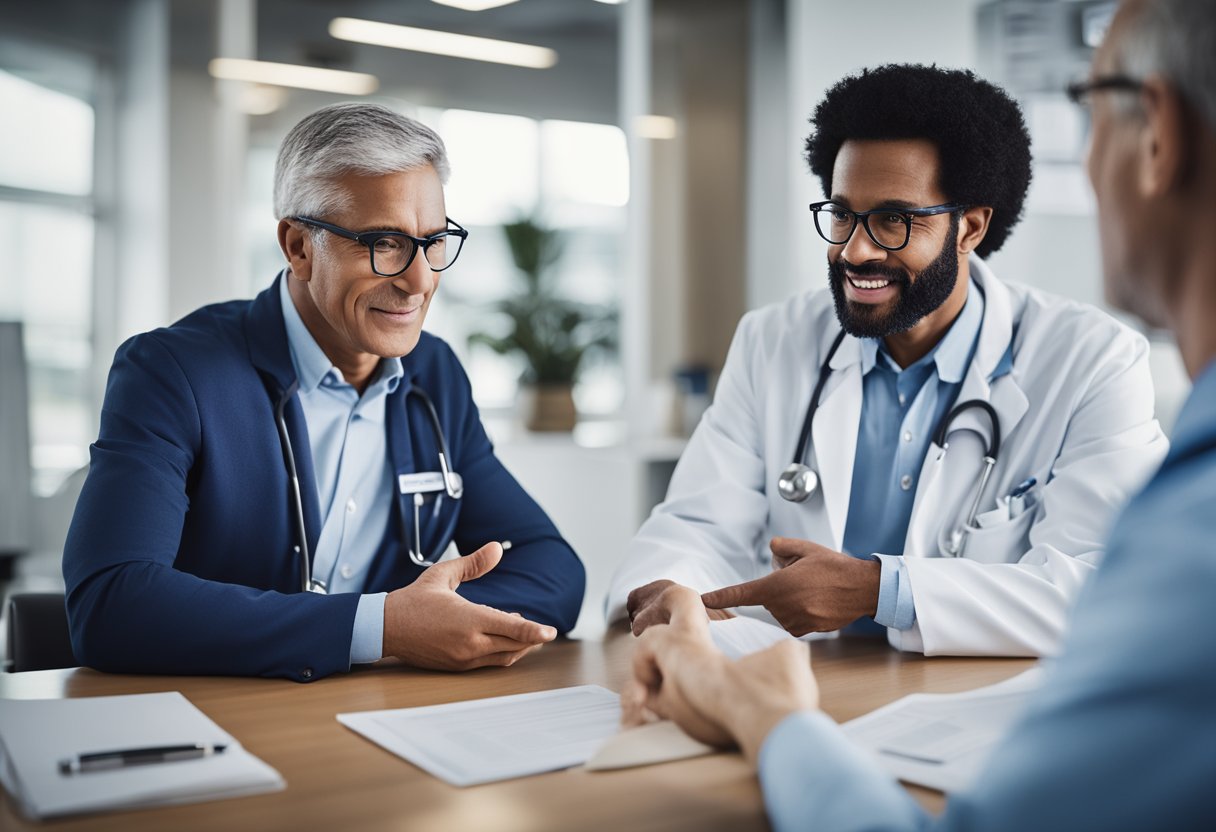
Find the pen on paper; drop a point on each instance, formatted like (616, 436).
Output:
(123, 758)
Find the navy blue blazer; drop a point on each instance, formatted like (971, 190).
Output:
(180, 555)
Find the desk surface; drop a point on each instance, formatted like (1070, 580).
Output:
(338, 780)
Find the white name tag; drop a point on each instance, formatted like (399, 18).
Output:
(425, 482)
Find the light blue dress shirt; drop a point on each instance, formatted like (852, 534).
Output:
(900, 410)
(1122, 735)
(353, 473)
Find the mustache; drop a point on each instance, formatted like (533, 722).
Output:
(874, 270)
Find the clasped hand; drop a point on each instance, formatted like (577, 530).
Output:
(426, 624)
(679, 674)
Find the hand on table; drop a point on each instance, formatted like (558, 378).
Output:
(813, 589)
(426, 624)
(679, 675)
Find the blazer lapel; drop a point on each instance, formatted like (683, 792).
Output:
(266, 337)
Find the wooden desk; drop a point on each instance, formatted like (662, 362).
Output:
(338, 780)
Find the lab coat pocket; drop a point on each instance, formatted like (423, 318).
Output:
(1002, 542)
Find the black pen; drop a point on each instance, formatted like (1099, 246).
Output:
(122, 758)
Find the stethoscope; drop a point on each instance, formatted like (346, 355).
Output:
(799, 481)
(452, 486)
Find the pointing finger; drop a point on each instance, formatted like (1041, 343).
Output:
(739, 595)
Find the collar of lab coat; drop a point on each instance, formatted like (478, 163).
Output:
(988, 378)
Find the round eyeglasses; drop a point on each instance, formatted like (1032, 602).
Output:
(392, 252)
(889, 228)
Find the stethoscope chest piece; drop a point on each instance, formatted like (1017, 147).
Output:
(797, 482)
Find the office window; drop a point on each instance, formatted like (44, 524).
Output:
(47, 229)
(573, 176)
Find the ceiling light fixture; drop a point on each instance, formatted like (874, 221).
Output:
(293, 75)
(442, 43)
(474, 5)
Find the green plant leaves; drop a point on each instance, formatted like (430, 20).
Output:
(552, 334)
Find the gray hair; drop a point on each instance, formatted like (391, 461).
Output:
(1174, 38)
(348, 138)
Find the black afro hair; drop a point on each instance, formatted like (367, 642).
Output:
(978, 130)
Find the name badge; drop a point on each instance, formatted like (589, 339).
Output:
(425, 482)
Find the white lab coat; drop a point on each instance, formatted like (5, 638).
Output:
(1076, 412)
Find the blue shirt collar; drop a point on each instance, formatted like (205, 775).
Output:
(952, 353)
(311, 363)
(1197, 420)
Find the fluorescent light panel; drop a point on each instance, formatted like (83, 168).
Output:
(474, 5)
(442, 43)
(293, 75)
(656, 127)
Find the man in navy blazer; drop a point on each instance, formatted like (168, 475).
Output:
(193, 543)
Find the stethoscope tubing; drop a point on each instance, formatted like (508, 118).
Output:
(453, 488)
(940, 437)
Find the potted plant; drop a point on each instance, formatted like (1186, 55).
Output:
(551, 333)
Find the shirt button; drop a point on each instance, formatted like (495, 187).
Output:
(905, 482)
(351, 506)
(346, 571)
(907, 436)
(306, 673)
(902, 398)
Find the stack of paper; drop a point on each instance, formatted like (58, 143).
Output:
(943, 740)
(468, 743)
(36, 734)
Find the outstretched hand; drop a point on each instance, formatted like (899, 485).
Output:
(427, 624)
(813, 589)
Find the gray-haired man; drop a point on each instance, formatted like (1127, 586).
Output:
(274, 478)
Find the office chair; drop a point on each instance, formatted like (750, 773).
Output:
(38, 633)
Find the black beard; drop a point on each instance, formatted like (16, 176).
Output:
(917, 298)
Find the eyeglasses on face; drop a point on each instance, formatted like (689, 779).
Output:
(1079, 92)
(392, 252)
(889, 228)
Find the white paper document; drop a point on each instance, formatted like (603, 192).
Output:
(36, 734)
(943, 740)
(745, 634)
(646, 745)
(739, 636)
(484, 740)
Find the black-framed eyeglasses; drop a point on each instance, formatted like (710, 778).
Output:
(392, 252)
(1079, 91)
(889, 228)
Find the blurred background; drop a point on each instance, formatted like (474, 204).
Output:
(652, 146)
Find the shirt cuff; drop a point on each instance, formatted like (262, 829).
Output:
(895, 607)
(367, 640)
(812, 775)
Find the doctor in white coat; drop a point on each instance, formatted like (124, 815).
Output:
(893, 536)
